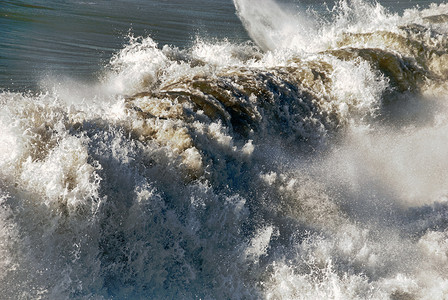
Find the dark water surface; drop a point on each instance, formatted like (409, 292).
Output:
(77, 38)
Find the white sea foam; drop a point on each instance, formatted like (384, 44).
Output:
(237, 171)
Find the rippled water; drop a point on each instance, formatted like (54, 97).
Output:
(226, 150)
(77, 38)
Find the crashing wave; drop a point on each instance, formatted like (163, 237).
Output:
(278, 171)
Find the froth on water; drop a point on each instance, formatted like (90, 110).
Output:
(224, 170)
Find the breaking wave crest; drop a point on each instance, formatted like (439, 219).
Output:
(309, 165)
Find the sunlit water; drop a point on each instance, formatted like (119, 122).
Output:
(223, 150)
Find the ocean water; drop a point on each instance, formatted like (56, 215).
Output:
(254, 149)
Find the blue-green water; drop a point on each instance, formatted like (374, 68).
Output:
(76, 39)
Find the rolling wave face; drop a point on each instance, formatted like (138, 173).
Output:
(238, 171)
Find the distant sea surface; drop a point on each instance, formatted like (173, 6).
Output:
(77, 38)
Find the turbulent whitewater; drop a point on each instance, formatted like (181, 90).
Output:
(310, 163)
